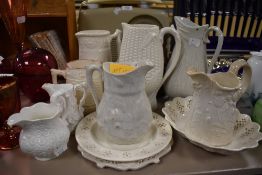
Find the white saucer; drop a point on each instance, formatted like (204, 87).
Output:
(246, 132)
(123, 157)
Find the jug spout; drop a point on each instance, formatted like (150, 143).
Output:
(55, 92)
(49, 88)
(198, 77)
(36, 112)
(16, 119)
(57, 89)
(144, 68)
(142, 71)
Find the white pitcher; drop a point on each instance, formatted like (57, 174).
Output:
(95, 45)
(124, 113)
(64, 95)
(213, 113)
(75, 74)
(143, 42)
(44, 133)
(193, 54)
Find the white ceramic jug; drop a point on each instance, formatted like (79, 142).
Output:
(44, 133)
(213, 112)
(65, 96)
(75, 74)
(95, 45)
(143, 42)
(124, 113)
(255, 61)
(193, 54)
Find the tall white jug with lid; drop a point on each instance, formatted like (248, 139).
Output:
(193, 54)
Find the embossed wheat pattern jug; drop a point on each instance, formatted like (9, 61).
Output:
(143, 42)
(193, 54)
(213, 113)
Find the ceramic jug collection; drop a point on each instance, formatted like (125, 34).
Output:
(143, 42)
(95, 45)
(193, 54)
(44, 133)
(213, 111)
(124, 113)
(255, 61)
(64, 95)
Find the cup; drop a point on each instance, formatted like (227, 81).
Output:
(9, 104)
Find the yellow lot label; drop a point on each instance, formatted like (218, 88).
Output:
(116, 68)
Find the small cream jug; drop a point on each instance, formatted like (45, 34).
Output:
(65, 96)
(143, 42)
(75, 74)
(44, 133)
(193, 54)
(124, 113)
(95, 45)
(213, 112)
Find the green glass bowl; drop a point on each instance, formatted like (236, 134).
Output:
(257, 113)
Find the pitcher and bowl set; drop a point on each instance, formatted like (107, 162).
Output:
(124, 133)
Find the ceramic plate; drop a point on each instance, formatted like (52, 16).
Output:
(131, 165)
(246, 132)
(90, 141)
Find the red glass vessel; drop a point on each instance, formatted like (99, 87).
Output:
(9, 104)
(13, 14)
(32, 67)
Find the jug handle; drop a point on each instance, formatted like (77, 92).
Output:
(55, 73)
(171, 64)
(245, 79)
(90, 84)
(117, 35)
(174, 58)
(218, 48)
(82, 88)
